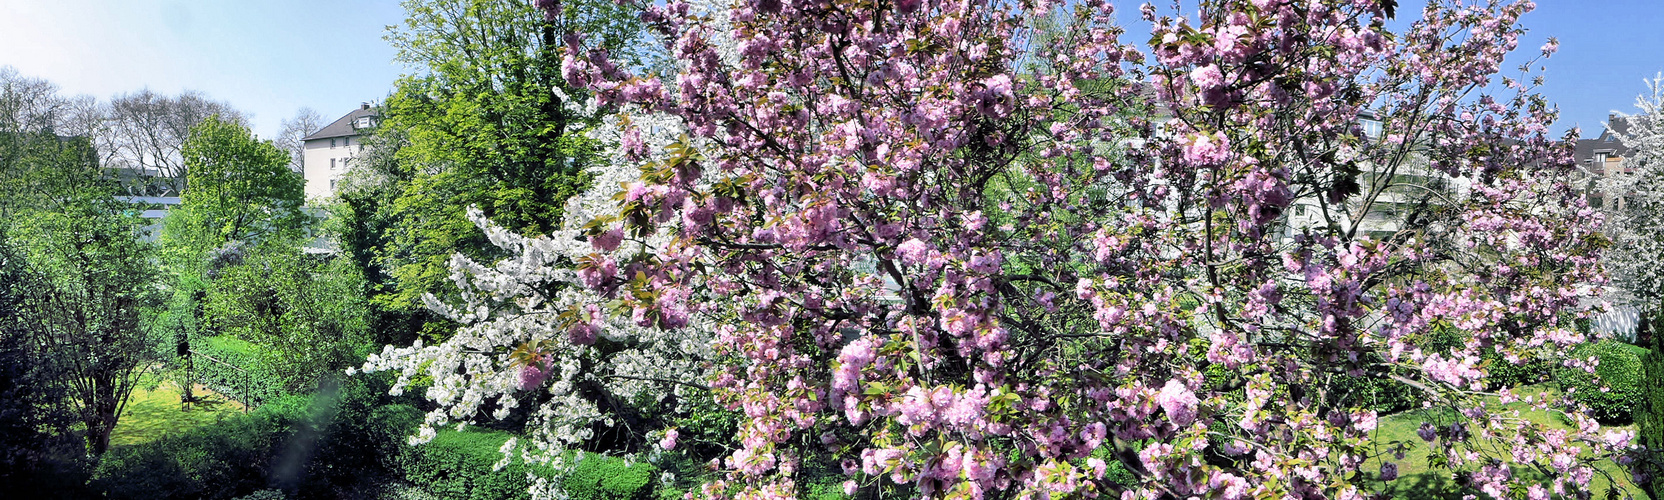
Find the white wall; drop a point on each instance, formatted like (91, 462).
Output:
(316, 164)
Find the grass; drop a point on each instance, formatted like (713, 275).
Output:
(1419, 481)
(153, 411)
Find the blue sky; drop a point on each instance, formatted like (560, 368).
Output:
(267, 58)
(270, 58)
(1607, 49)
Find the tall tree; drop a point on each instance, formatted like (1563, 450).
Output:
(963, 275)
(243, 198)
(479, 122)
(147, 131)
(1637, 192)
(46, 155)
(98, 283)
(35, 419)
(241, 190)
(305, 122)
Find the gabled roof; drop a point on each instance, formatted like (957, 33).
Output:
(341, 127)
(1610, 141)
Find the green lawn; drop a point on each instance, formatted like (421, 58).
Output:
(154, 411)
(1417, 481)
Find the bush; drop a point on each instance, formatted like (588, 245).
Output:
(1500, 373)
(258, 386)
(825, 489)
(599, 477)
(223, 460)
(334, 445)
(1649, 414)
(1619, 371)
(459, 465)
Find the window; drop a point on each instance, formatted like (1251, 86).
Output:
(332, 164)
(1372, 128)
(346, 141)
(362, 122)
(332, 143)
(332, 184)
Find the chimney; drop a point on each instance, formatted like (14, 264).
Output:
(364, 106)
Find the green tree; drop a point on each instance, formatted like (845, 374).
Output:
(241, 189)
(477, 123)
(35, 436)
(98, 282)
(242, 197)
(1649, 420)
(309, 312)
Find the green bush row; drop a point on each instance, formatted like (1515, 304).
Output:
(219, 461)
(1619, 371)
(325, 446)
(599, 477)
(460, 465)
(344, 442)
(254, 385)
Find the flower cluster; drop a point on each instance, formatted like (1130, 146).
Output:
(985, 248)
(535, 322)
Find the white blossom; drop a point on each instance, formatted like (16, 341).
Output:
(519, 302)
(1635, 210)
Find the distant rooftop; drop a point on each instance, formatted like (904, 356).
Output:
(345, 126)
(156, 200)
(1610, 141)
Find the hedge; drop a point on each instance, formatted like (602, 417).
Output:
(258, 387)
(1619, 370)
(598, 477)
(345, 442)
(459, 465)
(224, 460)
(328, 446)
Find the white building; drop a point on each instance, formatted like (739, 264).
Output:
(329, 149)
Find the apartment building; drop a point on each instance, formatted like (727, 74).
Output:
(330, 149)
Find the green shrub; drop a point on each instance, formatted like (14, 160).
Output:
(333, 445)
(218, 461)
(258, 386)
(1619, 370)
(458, 465)
(825, 489)
(264, 495)
(1500, 373)
(357, 430)
(598, 477)
(1649, 414)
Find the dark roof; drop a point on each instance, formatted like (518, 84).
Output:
(1610, 141)
(341, 127)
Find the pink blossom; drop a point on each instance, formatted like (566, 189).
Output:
(912, 251)
(1178, 402)
(1207, 149)
(608, 240)
(1207, 77)
(532, 376)
(669, 441)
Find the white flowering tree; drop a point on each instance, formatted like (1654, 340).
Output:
(1636, 225)
(533, 332)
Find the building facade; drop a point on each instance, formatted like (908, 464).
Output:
(329, 150)
(1602, 157)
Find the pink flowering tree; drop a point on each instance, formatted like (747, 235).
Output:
(987, 249)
